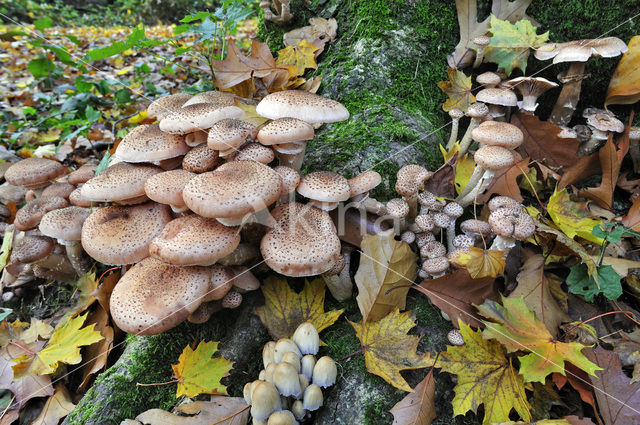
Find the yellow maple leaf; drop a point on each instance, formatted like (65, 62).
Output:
(517, 328)
(63, 347)
(298, 57)
(572, 217)
(458, 91)
(384, 264)
(464, 165)
(482, 262)
(198, 373)
(37, 330)
(284, 310)
(388, 349)
(250, 115)
(485, 376)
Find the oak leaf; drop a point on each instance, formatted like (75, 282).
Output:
(456, 293)
(220, 410)
(458, 91)
(58, 406)
(298, 57)
(624, 87)
(384, 265)
(284, 310)
(572, 217)
(632, 219)
(481, 262)
(198, 373)
(516, 327)
(418, 407)
(533, 286)
(388, 349)
(485, 376)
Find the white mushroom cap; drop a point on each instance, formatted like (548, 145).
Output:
(64, 224)
(264, 401)
(325, 372)
(324, 186)
(302, 105)
(283, 346)
(146, 143)
(162, 106)
(293, 360)
(268, 353)
(490, 79)
(306, 338)
(307, 364)
(312, 399)
(497, 96)
(283, 417)
(285, 378)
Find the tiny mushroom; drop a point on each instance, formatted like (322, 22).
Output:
(409, 181)
(325, 372)
(530, 88)
(306, 338)
(287, 131)
(66, 226)
(312, 399)
(453, 210)
(455, 115)
(481, 42)
(509, 224)
(497, 99)
(477, 112)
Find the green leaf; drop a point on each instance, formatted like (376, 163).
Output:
(40, 67)
(118, 47)
(104, 163)
(510, 43)
(91, 114)
(581, 283)
(4, 313)
(43, 23)
(61, 53)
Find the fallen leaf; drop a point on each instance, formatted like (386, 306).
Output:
(505, 182)
(464, 166)
(510, 43)
(540, 422)
(58, 406)
(455, 293)
(299, 57)
(384, 265)
(442, 182)
(618, 399)
(418, 407)
(482, 262)
(485, 376)
(250, 115)
(572, 217)
(541, 141)
(198, 373)
(632, 219)
(605, 282)
(321, 29)
(458, 91)
(219, 411)
(579, 381)
(284, 310)
(574, 420)
(27, 387)
(544, 397)
(388, 349)
(624, 87)
(5, 250)
(37, 330)
(533, 286)
(516, 327)
(583, 167)
(63, 347)
(97, 353)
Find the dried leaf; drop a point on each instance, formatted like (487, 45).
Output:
(236, 67)
(455, 293)
(541, 141)
(485, 376)
(97, 353)
(198, 373)
(583, 167)
(418, 407)
(58, 406)
(384, 264)
(579, 381)
(458, 91)
(324, 30)
(37, 330)
(284, 310)
(464, 166)
(632, 219)
(572, 217)
(27, 387)
(516, 327)
(624, 87)
(482, 262)
(298, 58)
(250, 115)
(442, 182)
(533, 286)
(388, 349)
(233, 410)
(505, 182)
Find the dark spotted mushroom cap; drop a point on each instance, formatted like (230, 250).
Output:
(255, 152)
(119, 182)
(213, 96)
(363, 183)
(163, 106)
(440, 220)
(64, 224)
(303, 242)
(31, 248)
(502, 202)
(167, 187)
(82, 174)
(61, 189)
(30, 215)
(201, 159)
(397, 208)
(494, 157)
(497, 96)
(233, 189)
(424, 222)
(147, 143)
(33, 173)
(324, 186)
(302, 105)
(433, 249)
(475, 227)
(435, 266)
(512, 222)
(193, 240)
(498, 133)
(153, 297)
(121, 235)
(230, 134)
(285, 130)
(410, 178)
(461, 241)
(290, 178)
(221, 282)
(453, 210)
(197, 117)
(232, 299)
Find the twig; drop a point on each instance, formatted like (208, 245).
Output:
(173, 381)
(219, 421)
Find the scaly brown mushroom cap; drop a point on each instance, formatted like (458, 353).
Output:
(213, 96)
(303, 242)
(153, 297)
(502, 202)
(497, 96)
(285, 130)
(290, 178)
(493, 157)
(119, 182)
(255, 152)
(475, 227)
(147, 143)
(324, 186)
(512, 222)
(167, 187)
(197, 117)
(193, 240)
(201, 159)
(410, 178)
(82, 174)
(363, 183)
(30, 215)
(33, 173)
(121, 235)
(64, 224)
(230, 134)
(30, 249)
(498, 133)
(489, 79)
(61, 189)
(233, 189)
(302, 105)
(163, 106)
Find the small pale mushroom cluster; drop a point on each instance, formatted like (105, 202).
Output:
(290, 386)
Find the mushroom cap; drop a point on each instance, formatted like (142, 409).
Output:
(502, 202)
(255, 152)
(461, 241)
(475, 227)
(312, 399)
(230, 134)
(285, 130)
(61, 189)
(482, 40)
(433, 249)
(31, 248)
(193, 240)
(456, 113)
(324, 186)
(436, 265)
(284, 346)
(488, 78)
(497, 96)
(153, 297)
(76, 198)
(221, 282)
(232, 299)
(424, 238)
(512, 223)
(167, 187)
(306, 338)
(397, 208)
(410, 178)
(440, 220)
(33, 172)
(121, 235)
(453, 210)
(283, 417)
(303, 242)
(65, 223)
(212, 96)
(581, 50)
(197, 117)
(290, 178)
(233, 189)
(497, 133)
(477, 110)
(363, 183)
(494, 157)
(119, 182)
(201, 159)
(531, 86)
(265, 400)
(604, 121)
(303, 105)
(196, 138)
(455, 337)
(147, 143)
(325, 372)
(163, 106)
(285, 378)
(30, 215)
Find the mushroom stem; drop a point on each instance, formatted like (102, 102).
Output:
(473, 181)
(634, 150)
(451, 233)
(479, 57)
(412, 201)
(373, 206)
(466, 139)
(77, 259)
(455, 126)
(502, 243)
(569, 96)
(340, 285)
(292, 160)
(485, 180)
